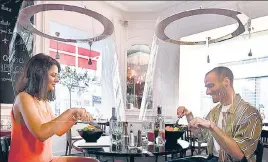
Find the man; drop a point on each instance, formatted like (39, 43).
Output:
(231, 129)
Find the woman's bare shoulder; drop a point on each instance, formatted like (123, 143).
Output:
(23, 96)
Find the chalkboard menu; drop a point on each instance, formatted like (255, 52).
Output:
(15, 50)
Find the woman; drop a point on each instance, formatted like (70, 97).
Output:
(33, 122)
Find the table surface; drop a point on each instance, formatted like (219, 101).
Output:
(104, 141)
(265, 128)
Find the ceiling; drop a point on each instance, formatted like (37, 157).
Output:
(195, 24)
(144, 6)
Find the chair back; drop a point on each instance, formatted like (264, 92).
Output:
(259, 151)
(264, 137)
(103, 126)
(4, 149)
(69, 136)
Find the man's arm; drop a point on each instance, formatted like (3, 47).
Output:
(246, 137)
(227, 144)
(248, 132)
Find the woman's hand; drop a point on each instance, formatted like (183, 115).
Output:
(82, 114)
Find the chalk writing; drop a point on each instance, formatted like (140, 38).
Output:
(14, 60)
(6, 8)
(5, 40)
(6, 2)
(5, 23)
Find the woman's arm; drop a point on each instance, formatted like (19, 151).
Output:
(65, 125)
(31, 117)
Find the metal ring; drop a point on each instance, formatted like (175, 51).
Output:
(26, 13)
(229, 13)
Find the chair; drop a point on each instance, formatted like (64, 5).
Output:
(4, 149)
(259, 151)
(69, 141)
(103, 126)
(264, 138)
(71, 137)
(194, 143)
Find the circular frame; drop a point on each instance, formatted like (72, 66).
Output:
(26, 13)
(160, 29)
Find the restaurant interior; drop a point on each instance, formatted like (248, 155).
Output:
(135, 62)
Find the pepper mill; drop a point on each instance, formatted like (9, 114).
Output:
(139, 142)
(126, 136)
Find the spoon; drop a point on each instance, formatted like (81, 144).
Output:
(177, 123)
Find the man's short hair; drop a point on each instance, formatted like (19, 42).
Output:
(223, 72)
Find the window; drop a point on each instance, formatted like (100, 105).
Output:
(137, 63)
(81, 57)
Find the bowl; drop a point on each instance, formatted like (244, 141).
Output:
(90, 135)
(172, 137)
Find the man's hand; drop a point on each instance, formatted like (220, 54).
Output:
(182, 111)
(197, 123)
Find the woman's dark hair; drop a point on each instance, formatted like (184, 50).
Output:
(34, 78)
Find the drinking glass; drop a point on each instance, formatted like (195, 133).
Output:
(117, 136)
(147, 127)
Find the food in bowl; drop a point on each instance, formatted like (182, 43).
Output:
(91, 128)
(170, 128)
(90, 133)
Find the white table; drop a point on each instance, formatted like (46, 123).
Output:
(265, 128)
(103, 141)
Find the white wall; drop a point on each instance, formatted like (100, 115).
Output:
(194, 66)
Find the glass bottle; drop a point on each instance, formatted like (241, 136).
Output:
(159, 128)
(113, 129)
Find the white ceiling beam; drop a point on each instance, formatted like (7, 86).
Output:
(117, 5)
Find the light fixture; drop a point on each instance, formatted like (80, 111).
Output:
(27, 12)
(162, 25)
(250, 53)
(249, 36)
(207, 43)
(57, 54)
(89, 61)
(208, 59)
